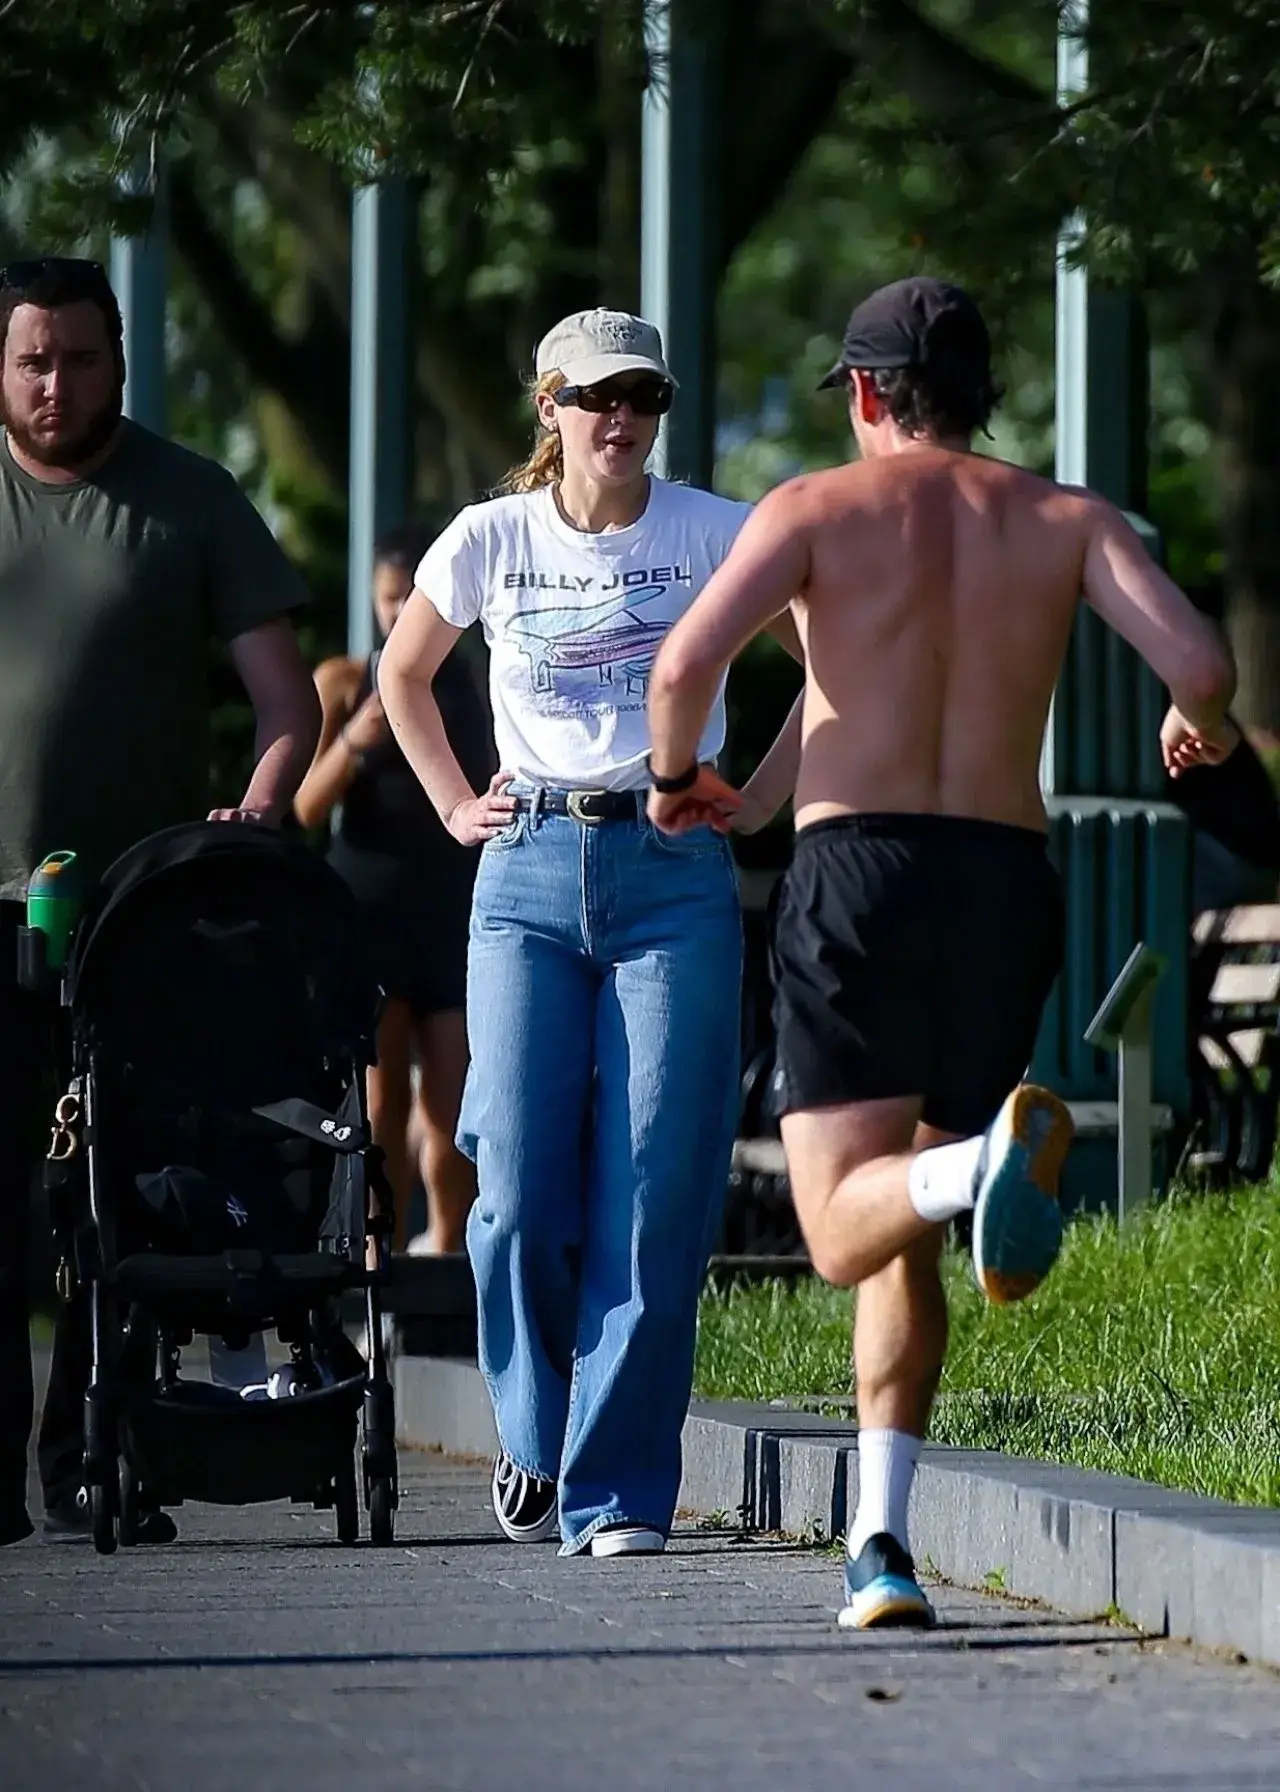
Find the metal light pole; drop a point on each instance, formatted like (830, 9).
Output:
(678, 218)
(1101, 738)
(380, 481)
(1122, 851)
(1102, 389)
(139, 276)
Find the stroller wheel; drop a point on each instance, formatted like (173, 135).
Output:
(101, 1511)
(381, 1522)
(128, 1527)
(346, 1503)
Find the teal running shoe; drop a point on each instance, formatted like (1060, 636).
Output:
(881, 1590)
(1017, 1222)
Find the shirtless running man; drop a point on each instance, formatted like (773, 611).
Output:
(920, 924)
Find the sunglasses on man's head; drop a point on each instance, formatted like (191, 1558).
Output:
(648, 396)
(16, 276)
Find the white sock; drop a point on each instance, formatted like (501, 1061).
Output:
(940, 1181)
(886, 1468)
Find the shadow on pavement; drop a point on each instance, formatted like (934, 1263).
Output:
(953, 1638)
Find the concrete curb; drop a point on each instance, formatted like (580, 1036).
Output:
(1173, 1563)
(443, 1404)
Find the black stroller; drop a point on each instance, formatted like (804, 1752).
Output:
(211, 1172)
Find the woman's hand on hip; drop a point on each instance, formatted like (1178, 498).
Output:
(479, 818)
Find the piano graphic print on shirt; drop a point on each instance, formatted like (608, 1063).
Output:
(598, 654)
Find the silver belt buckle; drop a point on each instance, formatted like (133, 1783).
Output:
(574, 801)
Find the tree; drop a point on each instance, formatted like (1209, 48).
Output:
(1171, 161)
(520, 119)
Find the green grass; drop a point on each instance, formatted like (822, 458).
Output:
(1153, 1353)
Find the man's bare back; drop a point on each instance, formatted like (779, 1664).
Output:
(940, 596)
(936, 614)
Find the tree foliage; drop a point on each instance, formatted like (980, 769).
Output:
(1172, 153)
(859, 138)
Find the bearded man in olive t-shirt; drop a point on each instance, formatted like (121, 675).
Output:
(121, 555)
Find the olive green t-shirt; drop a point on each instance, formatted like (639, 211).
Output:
(110, 589)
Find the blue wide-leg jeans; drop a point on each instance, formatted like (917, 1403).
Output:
(603, 1013)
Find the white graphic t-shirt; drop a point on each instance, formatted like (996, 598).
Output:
(574, 623)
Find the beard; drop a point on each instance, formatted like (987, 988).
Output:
(71, 450)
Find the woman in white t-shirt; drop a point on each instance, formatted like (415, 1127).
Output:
(605, 957)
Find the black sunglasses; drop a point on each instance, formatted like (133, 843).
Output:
(16, 276)
(649, 397)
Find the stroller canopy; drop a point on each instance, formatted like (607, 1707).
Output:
(222, 876)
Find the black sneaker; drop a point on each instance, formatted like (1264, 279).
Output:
(526, 1508)
(70, 1517)
(881, 1589)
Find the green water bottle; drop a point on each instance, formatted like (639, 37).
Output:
(54, 899)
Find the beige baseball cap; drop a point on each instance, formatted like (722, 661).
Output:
(594, 345)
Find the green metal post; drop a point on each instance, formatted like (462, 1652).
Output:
(1122, 851)
(382, 381)
(680, 134)
(139, 276)
(1098, 741)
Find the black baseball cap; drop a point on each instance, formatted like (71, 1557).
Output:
(911, 324)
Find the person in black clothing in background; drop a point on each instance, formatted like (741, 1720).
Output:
(1235, 830)
(412, 881)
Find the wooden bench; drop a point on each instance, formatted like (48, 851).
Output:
(760, 1217)
(1235, 1023)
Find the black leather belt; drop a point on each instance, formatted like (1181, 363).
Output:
(590, 807)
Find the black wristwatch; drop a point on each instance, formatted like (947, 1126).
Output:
(671, 786)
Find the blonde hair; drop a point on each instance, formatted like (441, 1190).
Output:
(545, 465)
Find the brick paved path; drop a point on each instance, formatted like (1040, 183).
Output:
(255, 1654)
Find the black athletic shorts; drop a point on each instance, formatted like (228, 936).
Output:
(912, 955)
